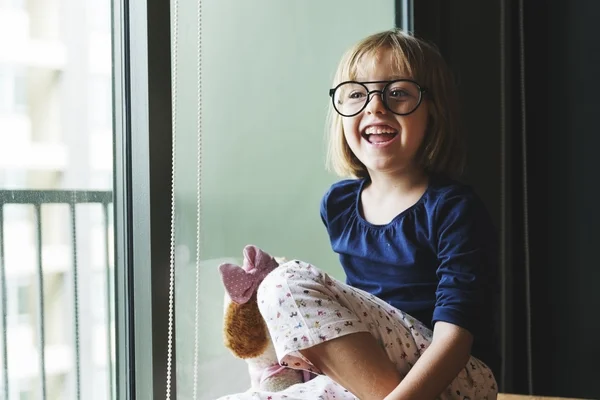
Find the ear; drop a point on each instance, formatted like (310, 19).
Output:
(250, 252)
(245, 331)
(237, 283)
(257, 258)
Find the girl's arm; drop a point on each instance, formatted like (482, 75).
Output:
(433, 372)
(466, 250)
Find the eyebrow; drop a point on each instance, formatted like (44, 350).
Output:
(380, 81)
(394, 77)
(388, 78)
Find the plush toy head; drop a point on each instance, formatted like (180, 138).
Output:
(245, 331)
(242, 282)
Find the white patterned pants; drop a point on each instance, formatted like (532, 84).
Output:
(304, 306)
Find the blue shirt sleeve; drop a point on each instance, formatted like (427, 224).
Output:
(324, 208)
(339, 197)
(467, 257)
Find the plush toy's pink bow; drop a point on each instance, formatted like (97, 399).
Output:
(241, 282)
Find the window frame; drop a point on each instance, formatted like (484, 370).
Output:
(404, 15)
(142, 190)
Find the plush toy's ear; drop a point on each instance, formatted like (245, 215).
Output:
(256, 258)
(239, 284)
(245, 331)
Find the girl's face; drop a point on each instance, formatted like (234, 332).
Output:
(383, 141)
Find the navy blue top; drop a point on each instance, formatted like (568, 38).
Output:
(436, 261)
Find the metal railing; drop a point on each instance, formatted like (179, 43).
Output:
(37, 198)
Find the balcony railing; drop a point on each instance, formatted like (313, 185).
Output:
(37, 198)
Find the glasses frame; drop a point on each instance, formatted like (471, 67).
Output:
(381, 92)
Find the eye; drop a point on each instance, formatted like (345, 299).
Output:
(356, 94)
(398, 93)
(402, 90)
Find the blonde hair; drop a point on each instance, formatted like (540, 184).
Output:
(442, 150)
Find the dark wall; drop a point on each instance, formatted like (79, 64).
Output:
(544, 185)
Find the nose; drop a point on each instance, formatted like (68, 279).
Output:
(375, 103)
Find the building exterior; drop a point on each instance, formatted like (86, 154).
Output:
(55, 138)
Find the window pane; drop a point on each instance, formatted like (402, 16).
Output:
(264, 86)
(56, 224)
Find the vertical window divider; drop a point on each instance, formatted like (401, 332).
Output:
(142, 127)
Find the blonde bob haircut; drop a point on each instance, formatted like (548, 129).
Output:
(442, 150)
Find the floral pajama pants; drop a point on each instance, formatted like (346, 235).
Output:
(304, 306)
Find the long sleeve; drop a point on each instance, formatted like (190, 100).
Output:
(467, 256)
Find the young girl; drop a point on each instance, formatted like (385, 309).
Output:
(416, 319)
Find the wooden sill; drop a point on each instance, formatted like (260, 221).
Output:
(504, 396)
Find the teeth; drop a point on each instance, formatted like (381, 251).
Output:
(378, 130)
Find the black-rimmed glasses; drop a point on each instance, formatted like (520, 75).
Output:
(400, 96)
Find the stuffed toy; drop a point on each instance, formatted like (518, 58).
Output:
(245, 331)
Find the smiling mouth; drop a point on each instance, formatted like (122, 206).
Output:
(379, 134)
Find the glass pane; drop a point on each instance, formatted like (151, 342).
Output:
(263, 154)
(56, 224)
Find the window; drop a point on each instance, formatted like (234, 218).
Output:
(57, 332)
(60, 132)
(262, 157)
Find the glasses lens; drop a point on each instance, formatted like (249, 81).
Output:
(349, 98)
(402, 97)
